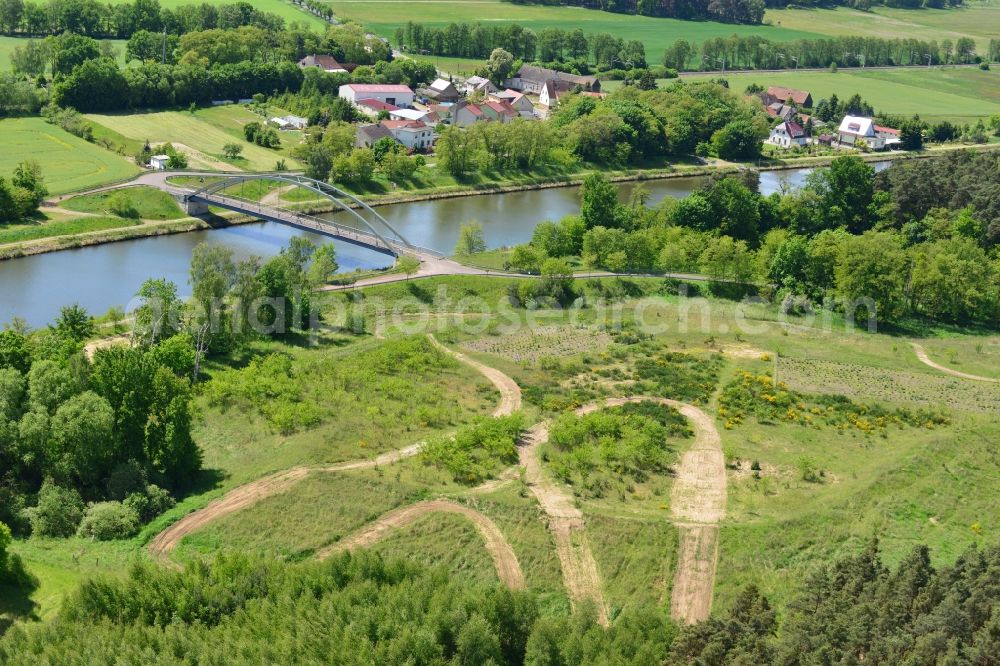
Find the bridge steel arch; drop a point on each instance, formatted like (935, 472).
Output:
(393, 242)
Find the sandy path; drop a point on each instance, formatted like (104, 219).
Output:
(504, 559)
(105, 343)
(248, 494)
(925, 359)
(698, 504)
(510, 392)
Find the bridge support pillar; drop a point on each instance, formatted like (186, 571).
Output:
(194, 208)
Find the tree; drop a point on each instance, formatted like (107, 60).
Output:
(646, 81)
(232, 150)
(408, 264)
(911, 135)
(58, 511)
(500, 66)
(75, 323)
(323, 266)
(846, 190)
(470, 239)
(872, 273)
(737, 140)
(159, 314)
(82, 442)
(15, 351)
(94, 85)
(598, 201)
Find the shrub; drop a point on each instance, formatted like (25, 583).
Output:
(109, 520)
(58, 511)
(477, 451)
(150, 502)
(121, 204)
(126, 478)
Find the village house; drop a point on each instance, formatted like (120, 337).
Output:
(801, 98)
(788, 135)
(464, 114)
(781, 110)
(532, 80)
(365, 136)
(327, 63)
(373, 107)
(441, 90)
(478, 84)
(414, 114)
(518, 101)
(413, 134)
(393, 94)
(859, 132)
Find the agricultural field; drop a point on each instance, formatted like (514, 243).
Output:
(958, 94)
(200, 135)
(979, 20)
(384, 17)
(68, 162)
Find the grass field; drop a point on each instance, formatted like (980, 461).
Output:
(18, 233)
(979, 20)
(958, 94)
(149, 202)
(68, 162)
(201, 135)
(384, 17)
(910, 484)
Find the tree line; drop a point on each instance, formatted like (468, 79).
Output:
(373, 610)
(919, 240)
(478, 40)
(732, 11)
(122, 20)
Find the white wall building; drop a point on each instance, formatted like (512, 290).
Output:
(394, 94)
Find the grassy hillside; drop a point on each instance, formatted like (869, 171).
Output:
(201, 135)
(68, 162)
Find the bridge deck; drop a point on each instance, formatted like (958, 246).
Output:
(311, 223)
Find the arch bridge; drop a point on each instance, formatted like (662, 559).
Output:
(372, 230)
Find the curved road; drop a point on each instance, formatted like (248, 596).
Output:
(926, 360)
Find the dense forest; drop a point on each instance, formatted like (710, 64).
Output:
(732, 11)
(918, 240)
(360, 609)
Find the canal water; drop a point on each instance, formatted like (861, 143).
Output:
(103, 276)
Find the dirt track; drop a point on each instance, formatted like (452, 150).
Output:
(698, 504)
(504, 559)
(510, 392)
(250, 493)
(925, 359)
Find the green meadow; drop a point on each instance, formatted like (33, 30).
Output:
(68, 162)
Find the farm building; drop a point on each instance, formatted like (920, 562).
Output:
(394, 94)
(290, 122)
(159, 162)
(373, 107)
(441, 90)
(532, 80)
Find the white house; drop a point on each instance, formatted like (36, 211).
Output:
(788, 135)
(477, 83)
(392, 94)
(412, 114)
(413, 134)
(159, 162)
(856, 131)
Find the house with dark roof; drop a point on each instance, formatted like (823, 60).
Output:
(517, 100)
(365, 136)
(441, 90)
(781, 110)
(531, 80)
(325, 62)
